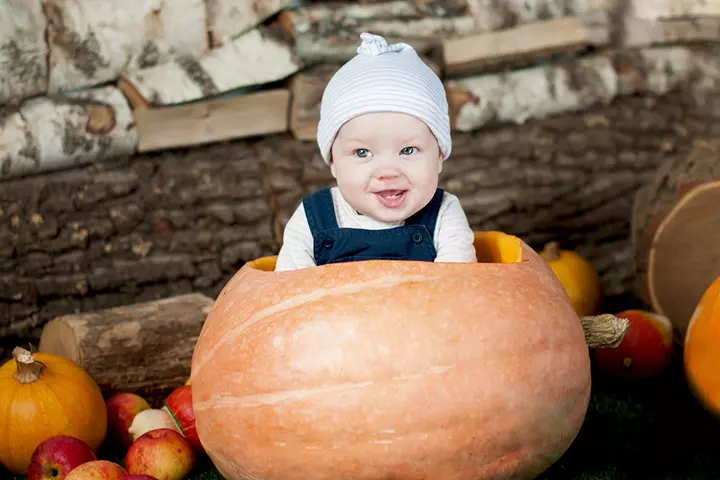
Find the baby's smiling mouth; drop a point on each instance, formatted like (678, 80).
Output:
(390, 193)
(391, 198)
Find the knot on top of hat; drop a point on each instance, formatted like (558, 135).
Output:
(376, 45)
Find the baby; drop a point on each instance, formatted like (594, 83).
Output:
(384, 131)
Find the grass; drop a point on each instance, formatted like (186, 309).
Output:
(642, 430)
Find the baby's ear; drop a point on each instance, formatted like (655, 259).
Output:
(332, 167)
(441, 161)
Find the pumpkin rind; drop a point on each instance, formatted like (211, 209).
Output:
(701, 352)
(389, 369)
(64, 401)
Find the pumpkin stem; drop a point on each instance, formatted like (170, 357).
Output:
(28, 369)
(604, 331)
(551, 251)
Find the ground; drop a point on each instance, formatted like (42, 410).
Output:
(642, 430)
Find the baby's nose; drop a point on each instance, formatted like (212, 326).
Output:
(386, 172)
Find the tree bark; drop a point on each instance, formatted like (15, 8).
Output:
(230, 18)
(23, 50)
(642, 32)
(51, 133)
(574, 85)
(93, 42)
(675, 244)
(145, 348)
(257, 57)
(131, 230)
(496, 15)
(327, 32)
(659, 9)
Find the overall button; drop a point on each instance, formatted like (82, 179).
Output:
(328, 243)
(417, 237)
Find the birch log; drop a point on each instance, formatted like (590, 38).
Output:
(476, 52)
(23, 50)
(92, 42)
(45, 133)
(641, 32)
(547, 90)
(329, 32)
(496, 15)
(257, 57)
(230, 18)
(658, 9)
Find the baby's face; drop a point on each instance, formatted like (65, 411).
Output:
(386, 165)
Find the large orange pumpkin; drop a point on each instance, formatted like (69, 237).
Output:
(702, 349)
(43, 395)
(392, 369)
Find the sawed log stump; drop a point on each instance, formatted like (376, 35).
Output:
(675, 234)
(145, 348)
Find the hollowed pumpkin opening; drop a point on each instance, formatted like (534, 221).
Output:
(490, 247)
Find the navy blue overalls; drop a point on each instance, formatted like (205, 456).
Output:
(332, 244)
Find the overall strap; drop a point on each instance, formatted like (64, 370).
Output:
(429, 213)
(320, 211)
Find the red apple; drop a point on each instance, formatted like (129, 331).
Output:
(645, 351)
(179, 405)
(164, 454)
(121, 410)
(138, 477)
(54, 458)
(97, 470)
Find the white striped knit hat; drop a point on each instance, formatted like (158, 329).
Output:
(384, 78)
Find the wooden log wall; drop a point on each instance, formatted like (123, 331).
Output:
(239, 68)
(150, 149)
(156, 225)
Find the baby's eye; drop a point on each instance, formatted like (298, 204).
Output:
(408, 151)
(361, 152)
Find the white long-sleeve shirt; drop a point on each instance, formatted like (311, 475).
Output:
(453, 237)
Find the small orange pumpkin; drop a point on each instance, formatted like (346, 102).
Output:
(578, 276)
(392, 369)
(702, 349)
(43, 395)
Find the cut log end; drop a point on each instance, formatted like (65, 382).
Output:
(684, 258)
(675, 231)
(101, 119)
(604, 331)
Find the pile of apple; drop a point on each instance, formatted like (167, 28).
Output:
(159, 444)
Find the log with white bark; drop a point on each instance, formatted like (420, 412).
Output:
(641, 32)
(230, 18)
(256, 57)
(197, 123)
(51, 133)
(572, 86)
(472, 53)
(495, 15)
(657, 9)
(23, 50)
(92, 42)
(329, 32)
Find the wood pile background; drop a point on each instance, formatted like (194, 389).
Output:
(150, 148)
(88, 80)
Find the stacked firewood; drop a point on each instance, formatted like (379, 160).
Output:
(88, 80)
